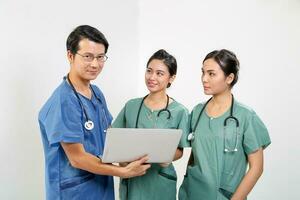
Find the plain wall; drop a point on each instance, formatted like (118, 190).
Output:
(263, 34)
(265, 37)
(33, 62)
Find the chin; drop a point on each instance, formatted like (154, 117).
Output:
(153, 90)
(92, 77)
(208, 93)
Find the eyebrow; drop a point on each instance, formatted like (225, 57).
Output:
(156, 70)
(210, 70)
(100, 54)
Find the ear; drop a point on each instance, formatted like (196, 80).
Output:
(70, 56)
(172, 78)
(229, 78)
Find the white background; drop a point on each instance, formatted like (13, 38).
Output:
(264, 34)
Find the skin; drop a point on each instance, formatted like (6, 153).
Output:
(81, 73)
(157, 78)
(215, 83)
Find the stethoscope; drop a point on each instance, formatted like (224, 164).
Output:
(136, 126)
(160, 111)
(191, 136)
(89, 124)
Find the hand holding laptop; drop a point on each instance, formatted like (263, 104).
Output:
(137, 168)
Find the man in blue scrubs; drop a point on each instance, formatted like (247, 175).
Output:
(73, 123)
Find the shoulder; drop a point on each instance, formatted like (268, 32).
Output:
(134, 101)
(243, 109)
(178, 106)
(61, 96)
(63, 93)
(198, 107)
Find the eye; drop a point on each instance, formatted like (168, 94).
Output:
(211, 74)
(87, 56)
(148, 70)
(160, 73)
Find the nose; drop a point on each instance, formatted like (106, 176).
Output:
(204, 78)
(151, 76)
(95, 63)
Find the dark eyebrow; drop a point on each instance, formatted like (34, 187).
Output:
(210, 70)
(89, 53)
(161, 71)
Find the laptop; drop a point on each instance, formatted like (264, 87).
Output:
(129, 144)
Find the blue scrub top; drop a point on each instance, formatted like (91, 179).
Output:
(62, 119)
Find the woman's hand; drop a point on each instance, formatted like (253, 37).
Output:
(123, 164)
(164, 164)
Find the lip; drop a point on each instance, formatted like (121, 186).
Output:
(206, 88)
(92, 72)
(151, 84)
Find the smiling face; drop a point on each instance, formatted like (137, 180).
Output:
(213, 78)
(157, 76)
(86, 70)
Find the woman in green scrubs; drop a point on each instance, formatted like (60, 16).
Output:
(226, 136)
(151, 112)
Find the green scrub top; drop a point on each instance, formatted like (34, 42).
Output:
(159, 182)
(215, 174)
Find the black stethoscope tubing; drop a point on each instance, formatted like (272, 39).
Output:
(160, 111)
(136, 126)
(225, 121)
(89, 124)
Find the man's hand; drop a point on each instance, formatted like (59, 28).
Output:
(136, 168)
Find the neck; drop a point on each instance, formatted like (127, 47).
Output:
(156, 101)
(157, 97)
(79, 84)
(219, 104)
(222, 99)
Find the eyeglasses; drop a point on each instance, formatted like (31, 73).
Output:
(90, 57)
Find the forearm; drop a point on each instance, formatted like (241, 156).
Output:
(246, 185)
(91, 163)
(178, 154)
(255, 170)
(81, 159)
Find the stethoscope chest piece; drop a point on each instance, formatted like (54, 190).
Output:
(191, 137)
(89, 125)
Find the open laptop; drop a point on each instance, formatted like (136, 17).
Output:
(129, 144)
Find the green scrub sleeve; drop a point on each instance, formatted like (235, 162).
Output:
(120, 121)
(184, 125)
(256, 135)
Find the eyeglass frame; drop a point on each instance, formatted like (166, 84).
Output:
(105, 57)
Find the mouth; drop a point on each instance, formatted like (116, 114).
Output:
(92, 72)
(151, 84)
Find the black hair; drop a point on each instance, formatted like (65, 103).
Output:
(85, 32)
(167, 59)
(228, 62)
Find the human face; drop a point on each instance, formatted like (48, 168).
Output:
(157, 76)
(213, 78)
(81, 69)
